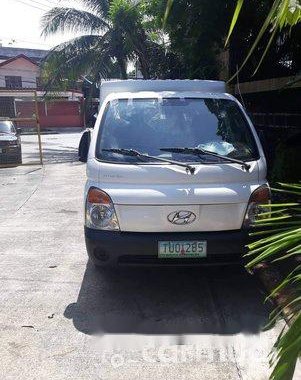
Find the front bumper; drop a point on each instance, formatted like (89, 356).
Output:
(10, 155)
(135, 248)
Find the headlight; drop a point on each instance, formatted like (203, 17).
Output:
(259, 198)
(100, 212)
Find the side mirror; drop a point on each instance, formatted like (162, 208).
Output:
(84, 145)
(19, 131)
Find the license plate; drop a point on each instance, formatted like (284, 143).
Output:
(182, 249)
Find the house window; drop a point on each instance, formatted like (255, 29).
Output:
(13, 82)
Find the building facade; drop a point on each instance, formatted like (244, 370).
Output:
(20, 68)
(20, 71)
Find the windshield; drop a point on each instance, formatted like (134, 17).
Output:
(6, 127)
(146, 125)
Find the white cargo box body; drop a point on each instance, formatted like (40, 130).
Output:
(135, 86)
(146, 194)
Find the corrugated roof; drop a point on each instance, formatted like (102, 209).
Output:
(11, 52)
(19, 56)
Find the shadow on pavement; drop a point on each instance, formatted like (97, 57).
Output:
(56, 155)
(168, 301)
(57, 148)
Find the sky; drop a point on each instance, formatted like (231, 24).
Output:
(20, 23)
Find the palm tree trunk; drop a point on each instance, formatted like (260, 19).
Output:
(144, 67)
(141, 50)
(122, 67)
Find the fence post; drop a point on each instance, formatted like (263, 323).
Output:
(38, 126)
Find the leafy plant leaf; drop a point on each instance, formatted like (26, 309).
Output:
(237, 10)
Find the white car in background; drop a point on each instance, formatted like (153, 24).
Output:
(175, 174)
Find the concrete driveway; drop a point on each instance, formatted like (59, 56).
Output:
(60, 318)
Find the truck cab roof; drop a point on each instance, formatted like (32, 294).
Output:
(166, 94)
(128, 89)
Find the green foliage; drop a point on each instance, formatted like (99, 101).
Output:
(282, 14)
(167, 10)
(127, 18)
(286, 352)
(88, 54)
(123, 7)
(277, 50)
(287, 165)
(70, 19)
(279, 233)
(113, 31)
(235, 18)
(197, 30)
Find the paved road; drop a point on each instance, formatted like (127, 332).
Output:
(62, 319)
(55, 148)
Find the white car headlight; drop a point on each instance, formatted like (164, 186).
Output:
(258, 203)
(100, 211)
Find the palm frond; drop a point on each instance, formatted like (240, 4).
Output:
(269, 231)
(286, 352)
(236, 14)
(167, 11)
(277, 205)
(99, 7)
(88, 54)
(60, 19)
(273, 237)
(275, 245)
(283, 13)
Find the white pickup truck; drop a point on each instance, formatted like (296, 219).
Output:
(175, 174)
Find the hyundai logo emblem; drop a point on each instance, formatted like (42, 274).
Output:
(181, 218)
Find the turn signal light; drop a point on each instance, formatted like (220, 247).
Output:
(98, 196)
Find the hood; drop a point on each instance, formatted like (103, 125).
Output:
(145, 195)
(8, 137)
(169, 184)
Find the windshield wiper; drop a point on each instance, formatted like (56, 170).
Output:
(135, 153)
(201, 152)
